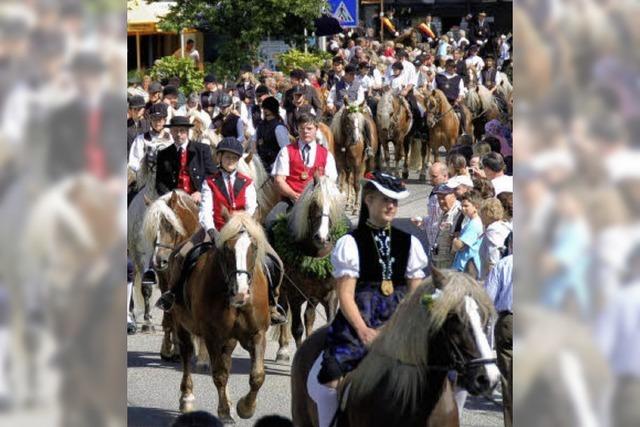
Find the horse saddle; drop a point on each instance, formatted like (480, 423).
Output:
(199, 245)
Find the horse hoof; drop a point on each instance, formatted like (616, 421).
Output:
(283, 357)
(422, 178)
(244, 410)
(186, 403)
(227, 421)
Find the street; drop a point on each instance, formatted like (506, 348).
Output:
(154, 385)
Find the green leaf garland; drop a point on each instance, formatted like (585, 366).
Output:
(320, 268)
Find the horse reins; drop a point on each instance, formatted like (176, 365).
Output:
(440, 116)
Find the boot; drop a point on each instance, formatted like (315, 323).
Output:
(274, 277)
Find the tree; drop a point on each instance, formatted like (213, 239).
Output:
(242, 24)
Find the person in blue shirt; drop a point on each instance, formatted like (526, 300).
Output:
(467, 245)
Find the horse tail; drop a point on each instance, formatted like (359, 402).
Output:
(414, 155)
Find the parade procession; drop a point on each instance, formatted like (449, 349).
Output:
(330, 242)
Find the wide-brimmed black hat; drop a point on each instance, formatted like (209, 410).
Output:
(230, 144)
(158, 111)
(389, 185)
(155, 87)
(179, 122)
(136, 101)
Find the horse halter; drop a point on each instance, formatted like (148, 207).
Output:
(229, 274)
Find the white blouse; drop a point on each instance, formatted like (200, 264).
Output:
(346, 262)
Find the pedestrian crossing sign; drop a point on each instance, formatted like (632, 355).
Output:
(345, 11)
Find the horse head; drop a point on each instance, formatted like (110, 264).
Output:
(433, 107)
(315, 214)
(463, 312)
(241, 251)
(169, 222)
(353, 124)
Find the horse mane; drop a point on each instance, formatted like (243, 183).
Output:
(440, 96)
(159, 210)
(241, 221)
(399, 355)
(505, 87)
(487, 99)
(326, 192)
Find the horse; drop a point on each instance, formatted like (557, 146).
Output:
(354, 130)
(403, 380)
(443, 124)
(177, 211)
(226, 302)
(394, 122)
(137, 248)
(305, 236)
(483, 107)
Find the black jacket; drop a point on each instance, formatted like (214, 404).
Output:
(309, 94)
(199, 163)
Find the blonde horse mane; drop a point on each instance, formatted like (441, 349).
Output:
(326, 192)
(399, 355)
(241, 221)
(159, 210)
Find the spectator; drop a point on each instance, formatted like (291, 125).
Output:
(467, 246)
(457, 165)
(461, 184)
(494, 167)
(483, 186)
(438, 175)
(497, 229)
(441, 253)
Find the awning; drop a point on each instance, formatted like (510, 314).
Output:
(143, 17)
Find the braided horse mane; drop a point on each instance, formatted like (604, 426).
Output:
(399, 355)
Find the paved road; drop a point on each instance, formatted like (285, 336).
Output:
(153, 385)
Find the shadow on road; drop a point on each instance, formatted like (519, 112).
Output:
(138, 416)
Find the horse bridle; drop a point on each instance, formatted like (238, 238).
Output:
(439, 116)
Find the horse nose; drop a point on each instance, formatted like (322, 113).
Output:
(319, 239)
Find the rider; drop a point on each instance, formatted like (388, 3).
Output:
(452, 85)
(272, 133)
(375, 266)
(227, 189)
(299, 82)
(348, 86)
(228, 123)
(136, 123)
(297, 163)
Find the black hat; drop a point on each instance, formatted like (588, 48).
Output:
(158, 111)
(338, 60)
(271, 104)
(298, 74)
(224, 101)
(389, 185)
(179, 122)
(262, 90)
(155, 87)
(209, 78)
(350, 69)
(170, 91)
(246, 68)
(230, 144)
(136, 101)
(443, 189)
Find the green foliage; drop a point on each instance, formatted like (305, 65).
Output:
(298, 59)
(191, 79)
(243, 24)
(320, 268)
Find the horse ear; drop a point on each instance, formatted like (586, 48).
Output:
(174, 198)
(478, 89)
(147, 200)
(439, 278)
(346, 100)
(248, 158)
(433, 92)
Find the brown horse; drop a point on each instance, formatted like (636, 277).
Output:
(402, 381)
(483, 107)
(443, 124)
(225, 302)
(408, 38)
(178, 211)
(394, 120)
(354, 130)
(310, 223)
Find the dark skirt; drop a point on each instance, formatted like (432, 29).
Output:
(343, 349)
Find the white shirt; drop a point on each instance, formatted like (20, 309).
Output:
(502, 183)
(475, 60)
(139, 145)
(206, 207)
(493, 240)
(332, 94)
(408, 76)
(618, 331)
(371, 82)
(346, 262)
(281, 165)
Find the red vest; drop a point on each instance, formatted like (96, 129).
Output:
(299, 173)
(184, 180)
(222, 199)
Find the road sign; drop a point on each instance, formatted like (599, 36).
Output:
(345, 11)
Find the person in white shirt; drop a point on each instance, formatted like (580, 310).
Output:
(462, 40)
(369, 78)
(157, 136)
(191, 52)
(494, 168)
(348, 87)
(504, 51)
